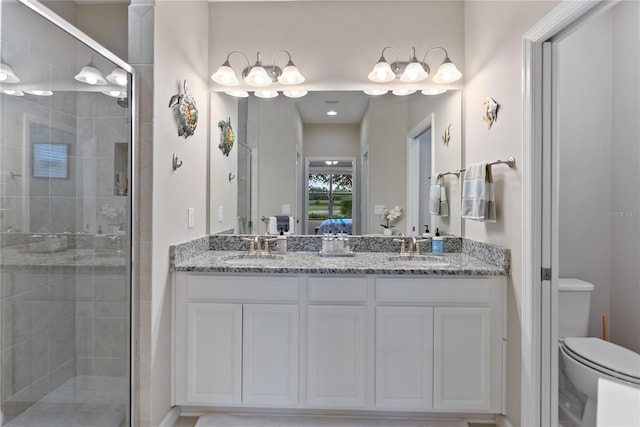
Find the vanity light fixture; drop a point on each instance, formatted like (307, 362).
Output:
(116, 93)
(434, 91)
(414, 70)
(118, 77)
(294, 93)
(266, 93)
(403, 92)
(12, 92)
(237, 93)
(39, 92)
(331, 162)
(91, 75)
(259, 75)
(376, 92)
(7, 74)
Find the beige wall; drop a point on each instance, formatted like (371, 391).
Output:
(493, 59)
(178, 55)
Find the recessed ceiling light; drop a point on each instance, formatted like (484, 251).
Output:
(332, 113)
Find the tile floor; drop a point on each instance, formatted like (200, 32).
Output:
(82, 401)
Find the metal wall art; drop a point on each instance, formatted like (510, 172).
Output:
(186, 112)
(490, 111)
(446, 136)
(227, 138)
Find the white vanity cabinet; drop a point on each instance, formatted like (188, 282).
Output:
(413, 343)
(235, 340)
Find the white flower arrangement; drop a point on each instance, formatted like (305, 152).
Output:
(390, 215)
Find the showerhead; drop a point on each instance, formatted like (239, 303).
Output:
(123, 102)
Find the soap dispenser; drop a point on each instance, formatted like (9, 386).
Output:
(281, 242)
(426, 233)
(437, 243)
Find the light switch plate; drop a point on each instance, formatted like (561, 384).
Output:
(220, 213)
(286, 209)
(378, 209)
(191, 217)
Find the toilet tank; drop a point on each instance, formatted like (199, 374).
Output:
(574, 302)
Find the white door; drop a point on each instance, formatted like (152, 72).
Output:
(336, 368)
(214, 339)
(462, 358)
(404, 357)
(270, 354)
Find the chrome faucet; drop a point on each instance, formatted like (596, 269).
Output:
(410, 246)
(259, 245)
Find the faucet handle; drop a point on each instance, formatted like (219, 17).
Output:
(402, 247)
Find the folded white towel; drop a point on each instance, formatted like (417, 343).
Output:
(444, 205)
(435, 192)
(478, 199)
(273, 225)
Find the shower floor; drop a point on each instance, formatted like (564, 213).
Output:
(83, 401)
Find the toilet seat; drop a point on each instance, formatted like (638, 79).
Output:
(605, 357)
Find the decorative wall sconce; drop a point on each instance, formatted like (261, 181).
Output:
(490, 111)
(91, 75)
(413, 71)
(7, 75)
(258, 75)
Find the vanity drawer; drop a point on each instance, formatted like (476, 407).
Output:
(433, 291)
(337, 289)
(207, 287)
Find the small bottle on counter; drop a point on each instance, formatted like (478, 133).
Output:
(426, 233)
(281, 242)
(437, 243)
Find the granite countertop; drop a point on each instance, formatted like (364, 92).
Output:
(306, 262)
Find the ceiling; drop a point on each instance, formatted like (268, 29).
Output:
(350, 107)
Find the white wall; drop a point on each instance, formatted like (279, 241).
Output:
(625, 176)
(493, 59)
(222, 192)
(181, 52)
(331, 140)
(584, 100)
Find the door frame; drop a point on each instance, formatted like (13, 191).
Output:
(413, 172)
(537, 396)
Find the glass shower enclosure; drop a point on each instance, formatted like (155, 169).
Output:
(65, 225)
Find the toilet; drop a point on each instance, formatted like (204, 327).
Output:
(583, 360)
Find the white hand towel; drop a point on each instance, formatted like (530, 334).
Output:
(273, 225)
(435, 193)
(476, 193)
(444, 205)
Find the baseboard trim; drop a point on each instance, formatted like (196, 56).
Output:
(170, 419)
(502, 421)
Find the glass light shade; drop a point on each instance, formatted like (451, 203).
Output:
(90, 75)
(403, 92)
(225, 76)
(291, 75)
(39, 92)
(258, 77)
(237, 93)
(116, 93)
(266, 93)
(118, 77)
(294, 93)
(434, 91)
(7, 75)
(414, 72)
(376, 92)
(12, 92)
(382, 72)
(447, 72)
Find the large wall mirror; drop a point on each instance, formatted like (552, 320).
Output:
(333, 161)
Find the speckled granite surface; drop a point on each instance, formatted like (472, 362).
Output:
(450, 264)
(491, 254)
(186, 250)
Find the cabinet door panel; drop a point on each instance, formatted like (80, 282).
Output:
(462, 365)
(404, 357)
(336, 356)
(270, 354)
(214, 334)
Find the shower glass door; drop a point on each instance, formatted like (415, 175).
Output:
(65, 227)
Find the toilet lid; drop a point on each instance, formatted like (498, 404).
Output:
(606, 354)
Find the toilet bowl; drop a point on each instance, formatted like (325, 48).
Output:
(585, 360)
